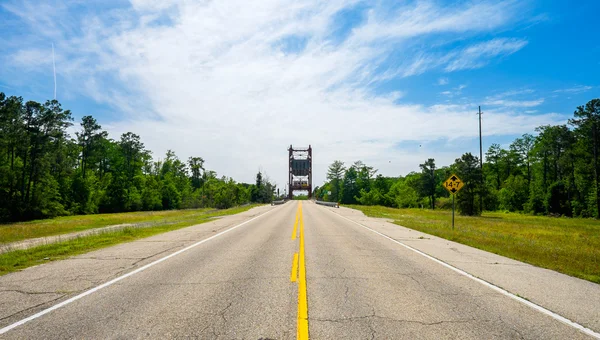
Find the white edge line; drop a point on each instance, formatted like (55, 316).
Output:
(485, 283)
(115, 280)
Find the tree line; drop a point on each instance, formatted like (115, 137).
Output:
(45, 172)
(554, 171)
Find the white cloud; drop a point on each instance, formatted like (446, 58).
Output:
(443, 81)
(479, 55)
(32, 58)
(214, 83)
(575, 89)
(507, 99)
(516, 103)
(511, 93)
(473, 57)
(457, 91)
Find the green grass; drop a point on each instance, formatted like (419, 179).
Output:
(567, 245)
(62, 225)
(20, 259)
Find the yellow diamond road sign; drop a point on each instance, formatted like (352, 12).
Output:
(453, 184)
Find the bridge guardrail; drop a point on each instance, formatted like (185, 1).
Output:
(328, 204)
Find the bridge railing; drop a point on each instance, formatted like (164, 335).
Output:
(328, 204)
(278, 202)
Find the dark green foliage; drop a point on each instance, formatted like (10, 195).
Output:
(467, 169)
(513, 196)
(263, 191)
(335, 175)
(557, 200)
(587, 129)
(404, 193)
(45, 173)
(349, 186)
(428, 181)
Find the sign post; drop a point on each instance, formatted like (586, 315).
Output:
(453, 185)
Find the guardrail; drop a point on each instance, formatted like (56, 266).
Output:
(328, 204)
(278, 202)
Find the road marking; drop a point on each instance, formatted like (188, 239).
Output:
(302, 332)
(487, 284)
(294, 274)
(113, 281)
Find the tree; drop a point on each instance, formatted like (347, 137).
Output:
(12, 143)
(372, 197)
(364, 174)
(133, 153)
(90, 141)
(46, 127)
(263, 190)
(428, 181)
(335, 174)
(467, 168)
(349, 187)
(46, 173)
(587, 125)
(515, 193)
(403, 192)
(196, 165)
(383, 185)
(492, 157)
(523, 147)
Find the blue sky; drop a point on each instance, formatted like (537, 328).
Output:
(389, 82)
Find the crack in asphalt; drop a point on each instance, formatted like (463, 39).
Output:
(150, 256)
(346, 292)
(373, 316)
(32, 307)
(31, 293)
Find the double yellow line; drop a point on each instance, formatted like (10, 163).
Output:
(299, 275)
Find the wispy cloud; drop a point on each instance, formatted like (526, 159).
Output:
(514, 98)
(443, 81)
(457, 91)
(474, 56)
(574, 90)
(516, 103)
(479, 55)
(511, 93)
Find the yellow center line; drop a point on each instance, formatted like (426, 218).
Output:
(294, 275)
(302, 332)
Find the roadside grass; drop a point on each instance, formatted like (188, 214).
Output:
(567, 245)
(19, 259)
(13, 232)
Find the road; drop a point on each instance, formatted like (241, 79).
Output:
(256, 280)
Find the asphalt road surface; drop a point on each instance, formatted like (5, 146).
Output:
(294, 271)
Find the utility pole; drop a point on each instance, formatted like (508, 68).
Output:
(480, 163)
(433, 187)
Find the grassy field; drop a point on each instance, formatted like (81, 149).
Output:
(62, 225)
(160, 222)
(567, 245)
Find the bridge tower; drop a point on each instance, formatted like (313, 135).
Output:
(300, 170)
